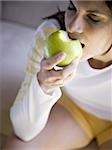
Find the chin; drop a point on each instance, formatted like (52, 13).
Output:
(84, 58)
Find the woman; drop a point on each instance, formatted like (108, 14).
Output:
(79, 110)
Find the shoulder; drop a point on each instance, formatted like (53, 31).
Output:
(53, 22)
(47, 26)
(36, 52)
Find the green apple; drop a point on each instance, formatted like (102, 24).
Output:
(60, 42)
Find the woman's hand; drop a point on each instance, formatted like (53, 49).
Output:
(49, 78)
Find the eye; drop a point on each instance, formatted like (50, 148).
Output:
(93, 18)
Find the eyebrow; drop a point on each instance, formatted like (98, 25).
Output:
(94, 11)
(90, 11)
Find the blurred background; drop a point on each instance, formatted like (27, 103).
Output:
(18, 22)
(29, 13)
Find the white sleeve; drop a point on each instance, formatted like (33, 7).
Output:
(31, 108)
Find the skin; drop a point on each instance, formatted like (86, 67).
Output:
(55, 135)
(90, 34)
(93, 27)
(89, 27)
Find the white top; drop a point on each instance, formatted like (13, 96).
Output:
(90, 89)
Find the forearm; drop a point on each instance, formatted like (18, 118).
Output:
(31, 108)
(29, 114)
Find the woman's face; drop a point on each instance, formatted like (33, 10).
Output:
(91, 23)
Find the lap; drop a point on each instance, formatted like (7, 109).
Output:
(61, 132)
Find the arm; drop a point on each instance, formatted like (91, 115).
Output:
(31, 108)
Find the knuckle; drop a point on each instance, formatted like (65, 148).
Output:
(56, 58)
(62, 75)
(43, 76)
(45, 63)
(48, 63)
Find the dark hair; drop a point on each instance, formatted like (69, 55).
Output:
(60, 15)
(109, 4)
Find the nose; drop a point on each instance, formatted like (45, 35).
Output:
(76, 25)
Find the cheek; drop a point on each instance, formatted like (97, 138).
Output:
(99, 37)
(95, 44)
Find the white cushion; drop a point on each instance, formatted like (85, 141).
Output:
(15, 41)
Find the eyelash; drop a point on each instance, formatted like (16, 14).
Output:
(71, 7)
(93, 20)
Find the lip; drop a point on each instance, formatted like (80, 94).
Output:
(76, 39)
(82, 45)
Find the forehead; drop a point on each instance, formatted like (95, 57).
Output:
(92, 5)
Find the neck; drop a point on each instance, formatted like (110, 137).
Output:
(102, 61)
(98, 64)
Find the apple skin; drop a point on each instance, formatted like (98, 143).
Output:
(59, 42)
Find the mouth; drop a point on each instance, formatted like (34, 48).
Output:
(76, 39)
(82, 45)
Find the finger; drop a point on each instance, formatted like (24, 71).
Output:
(69, 69)
(54, 83)
(74, 64)
(51, 87)
(69, 78)
(51, 76)
(49, 63)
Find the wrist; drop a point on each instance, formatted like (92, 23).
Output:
(44, 88)
(47, 90)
